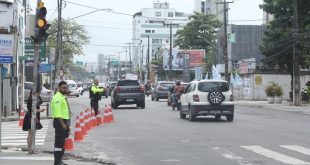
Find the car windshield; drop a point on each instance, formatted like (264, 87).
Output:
(212, 86)
(128, 83)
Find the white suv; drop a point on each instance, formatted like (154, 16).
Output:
(207, 97)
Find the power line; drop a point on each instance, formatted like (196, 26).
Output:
(106, 27)
(120, 13)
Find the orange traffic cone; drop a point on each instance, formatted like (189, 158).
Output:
(106, 115)
(21, 117)
(69, 144)
(98, 118)
(82, 123)
(94, 120)
(78, 131)
(111, 114)
(88, 125)
(103, 112)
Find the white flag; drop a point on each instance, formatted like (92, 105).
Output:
(238, 79)
(215, 74)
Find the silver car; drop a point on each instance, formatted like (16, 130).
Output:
(46, 94)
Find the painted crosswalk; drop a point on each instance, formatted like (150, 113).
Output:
(13, 135)
(282, 154)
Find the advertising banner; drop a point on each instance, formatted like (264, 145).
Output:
(6, 48)
(195, 56)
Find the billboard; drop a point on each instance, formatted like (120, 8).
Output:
(195, 57)
(6, 48)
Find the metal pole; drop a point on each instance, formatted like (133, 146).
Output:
(148, 57)
(58, 36)
(34, 91)
(297, 99)
(225, 42)
(0, 106)
(130, 62)
(170, 54)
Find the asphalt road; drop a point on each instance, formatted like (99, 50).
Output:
(157, 136)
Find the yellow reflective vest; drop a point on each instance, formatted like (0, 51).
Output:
(59, 106)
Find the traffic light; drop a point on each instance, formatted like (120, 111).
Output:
(41, 25)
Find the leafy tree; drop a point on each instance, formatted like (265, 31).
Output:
(74, 38)
(199, 33)
(278, 42)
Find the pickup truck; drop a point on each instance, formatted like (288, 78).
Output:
(128, 92)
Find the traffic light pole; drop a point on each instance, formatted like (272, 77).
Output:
(34, 93)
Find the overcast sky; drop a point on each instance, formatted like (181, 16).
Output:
(115, 29)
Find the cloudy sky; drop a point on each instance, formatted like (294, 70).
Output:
(114, 29)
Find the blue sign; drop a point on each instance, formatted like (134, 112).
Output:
(6, 59)
(45, 68)
(3, 71)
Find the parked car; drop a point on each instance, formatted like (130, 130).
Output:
(207, 97)
(128, 92)
(161, 90)
(46, 94)
(169, 93)
(73, 90)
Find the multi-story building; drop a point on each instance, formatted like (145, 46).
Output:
(151, 26)
(210, 7)
(12, 34)
(101, 64)
(243, 45)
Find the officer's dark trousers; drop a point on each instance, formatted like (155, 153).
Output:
(94, 105)
(60, 136)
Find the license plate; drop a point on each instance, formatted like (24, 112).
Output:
(130, 100)
(215, 112)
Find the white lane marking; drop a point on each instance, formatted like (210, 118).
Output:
(27, 158)
(275, 155)
(22, 137)
(22, 140)
(229, 155)
(170, 160)
(297, 148)
(19, 144)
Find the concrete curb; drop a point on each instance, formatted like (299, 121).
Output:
(273, 107)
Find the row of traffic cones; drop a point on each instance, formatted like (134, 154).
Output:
(86, 121)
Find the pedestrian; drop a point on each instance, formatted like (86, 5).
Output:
(27, 120)
(47, 85)
(60, 114)
(95, 96)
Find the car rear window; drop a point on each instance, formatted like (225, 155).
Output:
(166, 84)
(28, 86)
(71, 85)
(212, 86)
(128, 83)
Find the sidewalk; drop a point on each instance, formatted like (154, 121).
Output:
(17, 158)
(15, 116)
(285, 106)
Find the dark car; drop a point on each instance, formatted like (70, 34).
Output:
(161, 90)
(128, 92)
(111, 86)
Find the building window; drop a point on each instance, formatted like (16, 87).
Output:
(170, 14)
(153, 31)
(158, 14)
(157, 41)
(147, 31)
(138, 21)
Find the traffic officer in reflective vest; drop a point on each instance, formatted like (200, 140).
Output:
(95, 96)
(60, 114)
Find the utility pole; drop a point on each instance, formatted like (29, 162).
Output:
(141, 61)
(296, 72)
(225, 48)
(148, 58)
(58, 36)
(130, 62)
(170, 53)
